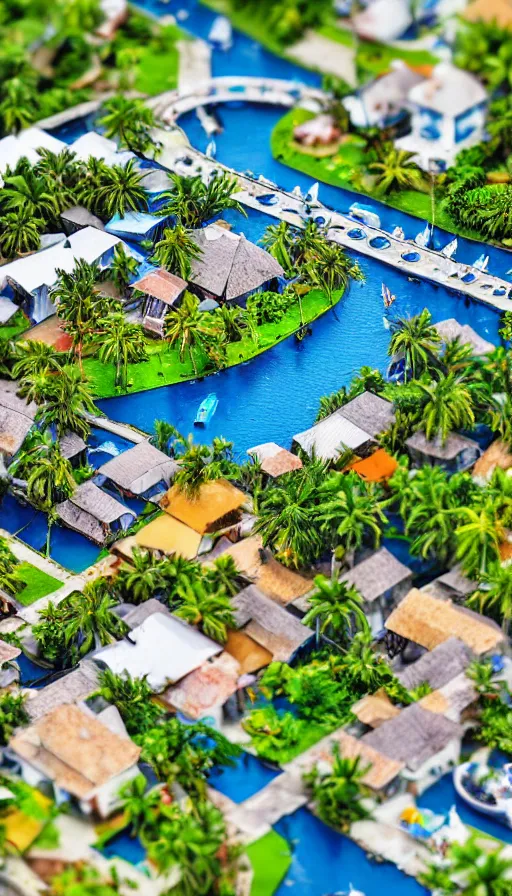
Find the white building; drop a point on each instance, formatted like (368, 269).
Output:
(383, 102)
(448, 115)
(25, 144)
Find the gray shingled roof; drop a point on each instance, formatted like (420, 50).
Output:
(413, 736)
(13, 430)
(130, 465)
(269, 624)
(98, 503)
(449, 451)
(82, 217)
(76, 685)
(71, 444)
(230, 265)
(331, 436)
(451, 329)
(370, 412)
(377, 574)
(437, 666)
(9, 399)
(456, 581)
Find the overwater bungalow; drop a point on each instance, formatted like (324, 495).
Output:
(270, 625)
(162, 291)
(81, 759)
(218, 505)
(426, 742)
(456, 454)
(382, 582)
(9, 669)
(274, 460)
(230, 267)
(16, 419)
(354, 426)
(141, 472)
(77, 217)
(429, 621)
(94, 513)
(163, 649)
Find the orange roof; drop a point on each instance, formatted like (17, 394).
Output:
(206, 512)
(499, 11)
(169, 536)
(378, 467)
(249, 654)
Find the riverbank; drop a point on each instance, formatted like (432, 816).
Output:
(164, 368)
(336, 170)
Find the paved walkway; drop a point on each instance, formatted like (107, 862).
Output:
(195, 64)
(257, 814)
(25, 554)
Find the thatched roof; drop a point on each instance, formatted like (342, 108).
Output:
(377, 574)
(8, 652)
(429, 621)
(414, 736)
(451, 449)
(496, 455)
(249, 655)
(215, 504)
(74, 750)
(496, 11)
(230, 265)
(451, 329)
(71, 444)
(206, 688)
(331, 436)
(169, 536)
(128, 466)
(374, 709)
(382, 769)
(274, 460)
(456, 581)
(10, 399)
(162, 285)
(96, 502)
(272, 578)
(452, 699)
(269, 624)
(438, 666)
(75, 686)
(370, 412)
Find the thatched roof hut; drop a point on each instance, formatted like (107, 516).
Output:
(438, 666)
(217, 505)
(272, 578)
(91, 511)
(268, 624)
(414, 736)
(169, 536)
(75, 686)
(353, 426)
(275, 461)
(138, 469)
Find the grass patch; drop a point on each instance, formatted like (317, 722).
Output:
(37, 583)
(311, 734)
(158, 72)
(376, 58)
(164, 367)
(336, 170)
(270, 858)
(17, 324)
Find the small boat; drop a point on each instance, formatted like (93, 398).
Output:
(221, 33)
(398, 233)
(297, 192)
(312, 194)
(365, 214)
(182, 15)
(424, 237)
(209, 122)
(387, 297)
(211, 149)
(268, 199)
(486, 790)
(206, 410)
(481, 263)
(450, 248)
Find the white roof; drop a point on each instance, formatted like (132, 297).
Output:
(331, 436)
(450, 91)
(92, 144)
(165, 650)
(264, 451)
(26, 143)
(383, 20)
(37, 270)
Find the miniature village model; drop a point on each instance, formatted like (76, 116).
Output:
(255, 448)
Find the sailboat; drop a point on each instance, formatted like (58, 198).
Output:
(481, 263)
(423, 238)
(221, 33)
(387, 297)
(450, 248)
(312, 194)
(211, 149)
(297, 192)
(398, 233)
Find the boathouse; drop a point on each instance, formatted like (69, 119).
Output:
(230, 268)
(141, 472)
(162, 291)
(94, 513)
(456, 454)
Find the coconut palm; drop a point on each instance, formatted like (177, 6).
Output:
(123, 269)
(9, 577)
(121, 342)
(337, 606)
(36, 387)
(132, 698)
(80, 16)
(139, 805)
(310, 243)
(67, 403)
(479, 869)
(418, 340)
(204, 463)
(427, 505)
(140, 579)
(80, 303)
(26, 189)
(50, 479)
(332, 270)
(120, 190)
(36, 357)
(501, 420)
(337, 794)
(397, 171)
(279, 240)
(224, 575)
(20, 232)
(496, 592)
(354, 511)
(167, 438)
(62, 170)
(191, 329)
(235, 323)
(175, 251)
(193, 203)
(478, 535)
(130, 121)
(211, 612)
(448, 406)
(18, 105)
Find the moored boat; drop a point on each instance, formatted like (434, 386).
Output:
(365, 214)
(221, 33)
(206, 410)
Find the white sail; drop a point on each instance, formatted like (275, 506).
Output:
(398, 233)
(312, 194)
(297, 192)
(481, 263)
(211, 149)
(422, 239)
(450, 248)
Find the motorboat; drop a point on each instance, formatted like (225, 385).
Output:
(398, 233)
(268, 199)
(486, 790)
(221, 33)
(450, 249)
(206, 410)
(365, 214)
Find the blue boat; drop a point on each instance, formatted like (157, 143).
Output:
(206, 410)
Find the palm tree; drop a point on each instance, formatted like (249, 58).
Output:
(193, 203)
(496, 591)
(139, 805)
(190, 328)
(67, 403)
(448, 406)
(18, 105)
(417, 338)
(50, 479)
(120, 190)
(355, 510)
(477, 868)
(62, 170)
(130, 121)
(20, 232)
(235, 322)
(175, 251)
(36, 357)
(89, 619)
(279, 240)
(121, 342)
(132, 698)
(478, 539)
(310, 243)
(337, 794)
(366, 670)
(140, 579)
(80, 303)
(427, 506)
(28, 190)
(397, 171)
(336, 606)
(224, 575)
(332, 270)
(212, 612)
(166, 437)
(122, 269)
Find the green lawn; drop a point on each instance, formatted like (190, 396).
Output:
(270, 858)
(336, 170)
(37, 584)
(375, 58)
(158, 72)
(164, 367)
(17, 324)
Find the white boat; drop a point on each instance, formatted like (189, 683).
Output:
(365, 214)
(211, 149)
(450, 249)
(501, 808)
(423, 238)
(209, 122)
(221, 33)
(312, 195)
(297, 192)
(398, 233)
(387, 296)
(481, 263)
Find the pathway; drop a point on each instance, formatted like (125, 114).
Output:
(256, 815)
(26, 554)
(119, 429)
(195, 64)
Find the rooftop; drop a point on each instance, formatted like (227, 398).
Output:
(274, 460)
(450, 91)
(82, 217)
(215, 501)
(377, 574)
(75, 685)
(496, 11)
(169, 536)
(230, 265)
(451, 329)
(413, 736)
(374, 709)
(352, 426)
(453, 446)
(208, 687)
(161, 285)
(437, 666)
(381, 768)
(268, 624)
(96, 502)
(272, 578)
(128, 466)
(378, 467)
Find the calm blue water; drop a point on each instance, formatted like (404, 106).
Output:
(324, 862)
(248, 777)
(123, 846)
(443, 795)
